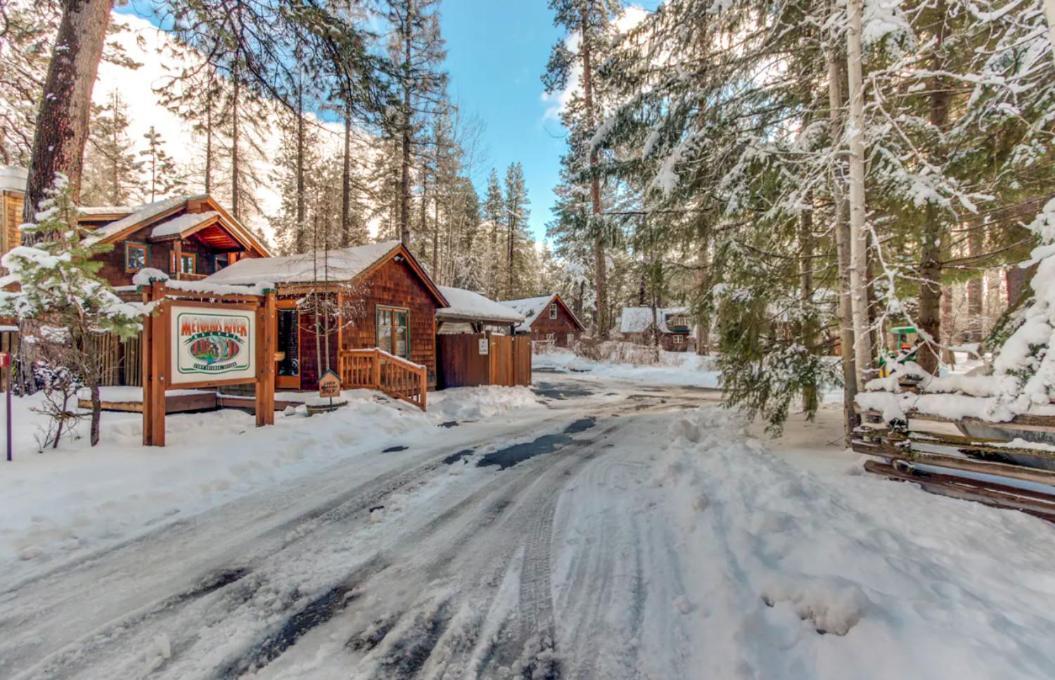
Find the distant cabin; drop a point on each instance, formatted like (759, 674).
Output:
(471, 312)
(548, 320)
(673, 325)
(377, 295)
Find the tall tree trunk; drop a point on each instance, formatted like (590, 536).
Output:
(703, 286)
(208, 138)
(301, 239)
(510, 252)
(946, 325)
(346, 180)
(404, 169)
(858, 235)
(236, 203)
(808, 330)
(62, 122)
(934, 222)
(974, 288)
(841, 209)
(600, 264)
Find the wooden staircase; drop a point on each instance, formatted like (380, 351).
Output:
(376, 369)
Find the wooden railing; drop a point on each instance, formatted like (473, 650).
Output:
(378, 370)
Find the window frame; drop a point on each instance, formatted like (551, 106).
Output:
(553, 314)
(136, 245)
(194, 263)
(393, 311)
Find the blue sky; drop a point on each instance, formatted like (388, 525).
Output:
(496, 53)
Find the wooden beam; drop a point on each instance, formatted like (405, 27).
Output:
(265, 368)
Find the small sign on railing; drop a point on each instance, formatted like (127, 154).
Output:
(484, 346)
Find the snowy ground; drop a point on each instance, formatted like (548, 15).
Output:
(674, 368)
(588, 528)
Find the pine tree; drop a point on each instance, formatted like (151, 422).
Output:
(518, 242)
(590, 22)
(163, 177)
(61, 302)
(416, 51)
(113, 174)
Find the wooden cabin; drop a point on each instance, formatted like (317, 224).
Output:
(672, 325)
(376, 295)
(548, 320)
(471, 312)
(187, 237)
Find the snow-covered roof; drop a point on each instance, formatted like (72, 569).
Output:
(465, 304)
(530, 308)
(13, 178)
(141, 214)
(178, 225)
(92, 210)
(343, 265)
(639, 319)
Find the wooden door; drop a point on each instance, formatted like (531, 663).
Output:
(287, 345)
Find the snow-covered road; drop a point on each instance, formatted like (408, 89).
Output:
(617, 531)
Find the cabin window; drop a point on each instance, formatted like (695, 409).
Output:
(135, 256)
(188, 263)
(678, 340)
(570, 339)
(221, 262)
(393, 330)
(553, 311)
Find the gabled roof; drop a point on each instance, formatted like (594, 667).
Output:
(173, 217)
(639, 319)
(531, 308)
(342, 265)
(465, 305)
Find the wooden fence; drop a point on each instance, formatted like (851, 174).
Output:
(379, 370)
(982, 469)
(467, 360)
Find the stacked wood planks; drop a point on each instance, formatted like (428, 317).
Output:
(924, 450)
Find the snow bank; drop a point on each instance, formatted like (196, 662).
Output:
(64, 502)
(800, 574)
(674, 368)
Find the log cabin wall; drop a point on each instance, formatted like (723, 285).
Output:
(560, 327)
(394, 284)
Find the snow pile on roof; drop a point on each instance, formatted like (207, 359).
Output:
(336, 265)
(13, 178)
(529, 308)
(122, 210)
(178, 225)
(140, 214)
(639, 319)
(465, 304)
(148, 275)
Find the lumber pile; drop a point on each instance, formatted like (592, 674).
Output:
(934, 453)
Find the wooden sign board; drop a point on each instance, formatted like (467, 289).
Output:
(329, 384)
(484, 346)
(210, 343)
